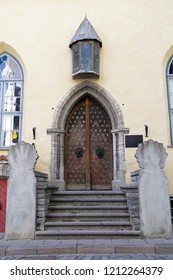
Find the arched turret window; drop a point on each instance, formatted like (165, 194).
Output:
(11, 100)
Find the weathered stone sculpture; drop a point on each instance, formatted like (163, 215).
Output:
(154, 205)
(21, 192)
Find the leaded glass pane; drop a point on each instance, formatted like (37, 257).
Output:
(171, 124)
(75, 58)
(1, 91)
(6, 139)
(96, 57)
(86, 56)
(12, 96)
(170, 87)
(171, 100)
(11, 126)
(7, 122)
(171, 68)
(16, 123)
(9, 68)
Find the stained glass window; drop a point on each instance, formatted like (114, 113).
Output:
(11, 96)
(86, 56)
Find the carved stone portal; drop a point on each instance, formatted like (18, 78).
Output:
(154, 205)
(21, 192)
(57, 132)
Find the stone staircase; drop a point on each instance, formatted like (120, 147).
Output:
(88, 215)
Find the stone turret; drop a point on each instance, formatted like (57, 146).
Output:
(85, 45)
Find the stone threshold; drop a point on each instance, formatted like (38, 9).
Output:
(99, 246)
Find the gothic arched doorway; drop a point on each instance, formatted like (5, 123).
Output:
(88, 147)
(105, 103)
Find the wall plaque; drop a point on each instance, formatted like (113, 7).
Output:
(132, 141)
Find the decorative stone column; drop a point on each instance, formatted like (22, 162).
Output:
(154, 205)
(119, 167)
(57, 158)
(21, 192)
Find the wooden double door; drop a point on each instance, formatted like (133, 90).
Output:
(88, 147)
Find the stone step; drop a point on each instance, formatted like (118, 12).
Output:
(88, 225)
(131, 188)
(88, 208)
(89, 216)
(89, 194)
(87, 234)
(87, 201)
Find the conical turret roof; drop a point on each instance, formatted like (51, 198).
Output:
(85, 31)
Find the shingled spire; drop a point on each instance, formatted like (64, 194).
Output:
(85, 31)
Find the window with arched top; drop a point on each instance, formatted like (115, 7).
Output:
(169, 76)
(11, 100)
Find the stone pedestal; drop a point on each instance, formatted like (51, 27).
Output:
(21, 192)
(154, 205)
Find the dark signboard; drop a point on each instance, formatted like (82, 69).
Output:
(132, 141)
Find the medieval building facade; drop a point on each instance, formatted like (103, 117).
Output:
(86, 82)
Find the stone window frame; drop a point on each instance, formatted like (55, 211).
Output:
(57, 132)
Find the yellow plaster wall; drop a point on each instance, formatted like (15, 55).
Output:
(137, 40)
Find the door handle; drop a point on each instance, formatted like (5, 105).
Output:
(79, 152)
(100, 152)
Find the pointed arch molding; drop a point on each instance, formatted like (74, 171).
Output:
(57, 131)
(4, 47)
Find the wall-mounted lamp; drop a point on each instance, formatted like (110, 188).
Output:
(146, 130)
(34, 133)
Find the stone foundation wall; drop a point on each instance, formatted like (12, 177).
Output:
(43, 194)
(133, 204)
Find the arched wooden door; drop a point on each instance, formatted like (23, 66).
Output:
(88, 147)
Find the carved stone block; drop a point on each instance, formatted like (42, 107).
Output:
(21, 192)
(154, 205)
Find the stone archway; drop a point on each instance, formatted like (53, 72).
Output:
(57, 131)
